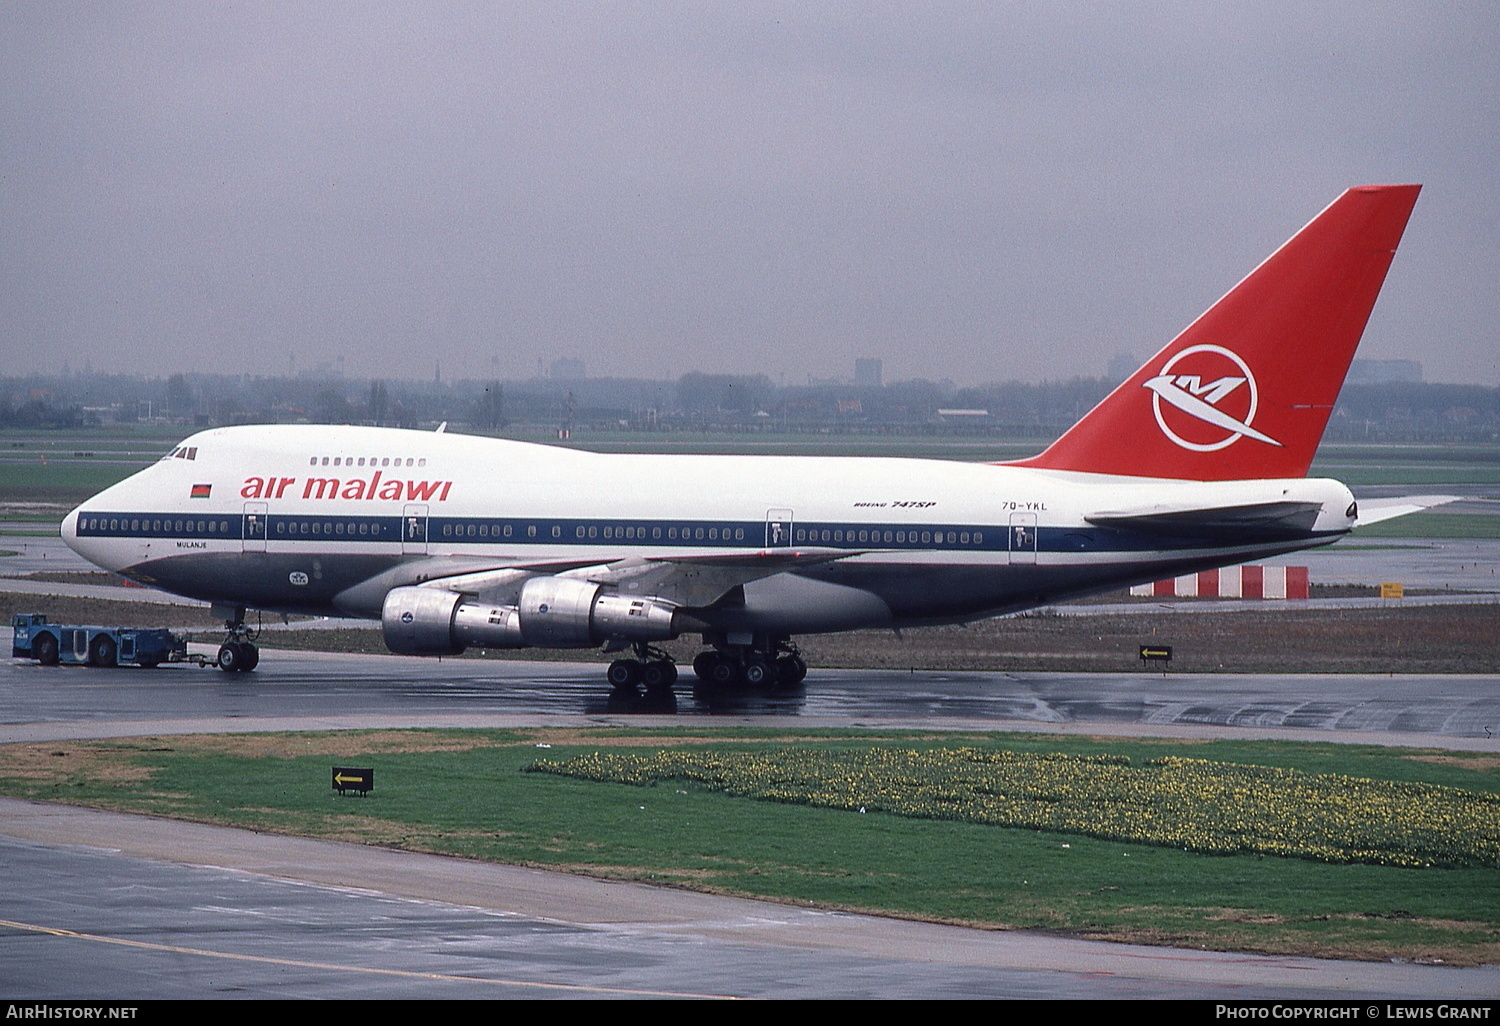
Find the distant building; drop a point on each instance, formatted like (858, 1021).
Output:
(1382, 372)
(1121, 366)
(868, 373)
(567, 369)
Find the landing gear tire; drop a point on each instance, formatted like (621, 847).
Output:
(238, 654)
(624, 674)
(757, 672)
(659, 675)
(44, 649)
(723, 672)
(790, 671)
(102, 652)
(703, 664)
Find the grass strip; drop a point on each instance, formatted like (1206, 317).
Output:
(464, 793)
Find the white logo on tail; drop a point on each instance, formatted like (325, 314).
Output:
(1199, 398)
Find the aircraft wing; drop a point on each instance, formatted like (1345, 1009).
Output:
(1373, 511)
(687, 580)
(701, 580)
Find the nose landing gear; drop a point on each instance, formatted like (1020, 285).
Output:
(238, 653)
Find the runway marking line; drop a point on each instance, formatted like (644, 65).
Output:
(300, 964)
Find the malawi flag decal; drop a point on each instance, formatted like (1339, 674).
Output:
(201, 491)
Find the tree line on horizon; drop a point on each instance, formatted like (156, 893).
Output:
(1394, 411)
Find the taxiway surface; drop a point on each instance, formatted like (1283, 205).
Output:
(99, 905)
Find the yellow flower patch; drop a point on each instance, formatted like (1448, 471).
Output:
(1195, 804)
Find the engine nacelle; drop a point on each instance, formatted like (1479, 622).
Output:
(431, 621)
(554, 612)
(419, 621)
(562, 612)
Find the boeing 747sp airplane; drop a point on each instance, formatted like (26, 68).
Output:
(450, 541)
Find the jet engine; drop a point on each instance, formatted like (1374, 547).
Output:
(553, 612)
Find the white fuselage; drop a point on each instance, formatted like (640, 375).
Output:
(291, 518)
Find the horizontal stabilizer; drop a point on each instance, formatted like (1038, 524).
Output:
(1259, 521)
(1373, 511)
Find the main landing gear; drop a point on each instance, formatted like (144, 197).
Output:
(239, 653)
(767, 661)
(757, 661)
(651, 667)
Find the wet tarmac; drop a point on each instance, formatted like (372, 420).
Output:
(111, 907)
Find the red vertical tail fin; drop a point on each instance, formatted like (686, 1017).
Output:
(1246, 390)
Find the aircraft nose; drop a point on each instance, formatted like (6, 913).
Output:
(70, 531)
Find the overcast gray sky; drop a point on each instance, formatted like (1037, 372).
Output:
(979, 191)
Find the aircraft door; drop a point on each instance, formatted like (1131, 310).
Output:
(778, 528)
(1023, 534)
(254, 537)
(414, 529)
